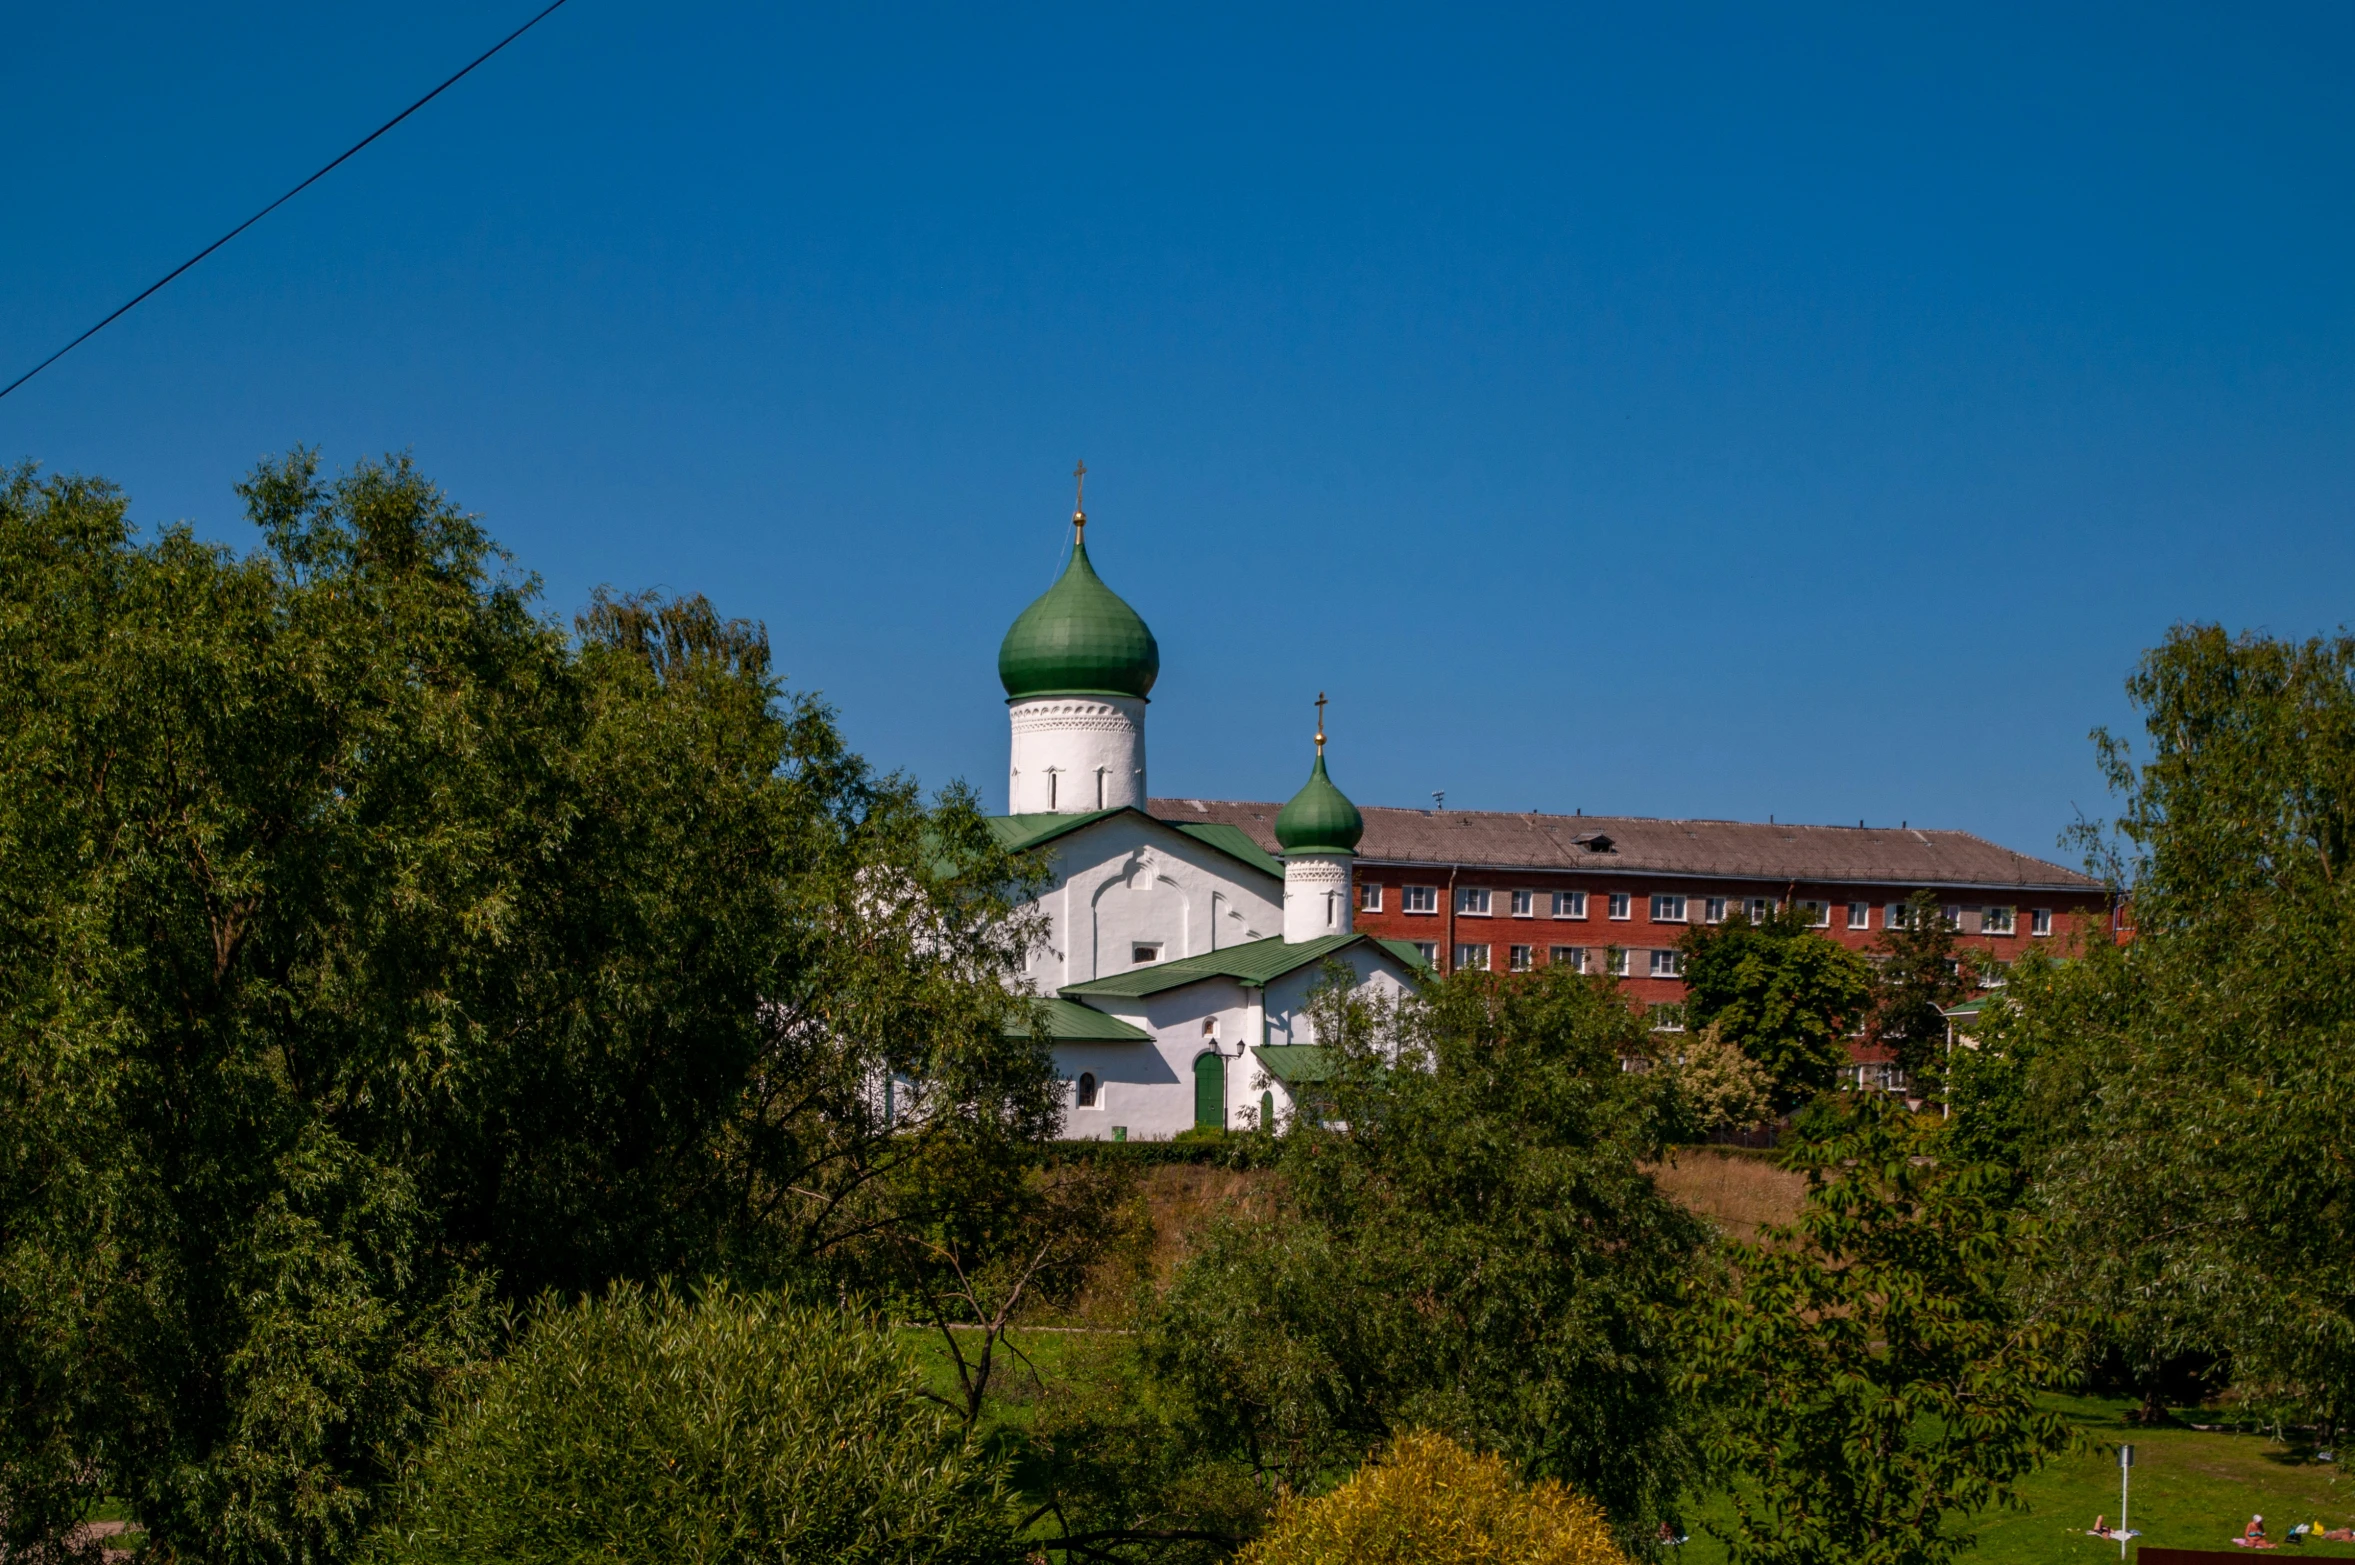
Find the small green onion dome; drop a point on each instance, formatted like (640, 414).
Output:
(1320, 818)
(1078, 639)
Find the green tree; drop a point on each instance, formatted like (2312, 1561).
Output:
(2031, 1097)
(1466, 1242)
(1922, 972)
(371, 950)
(1781, 993)
(1873, 1381)
(645, 1429)
(2194, 1081)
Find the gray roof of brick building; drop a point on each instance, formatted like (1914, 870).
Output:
(1726, 850)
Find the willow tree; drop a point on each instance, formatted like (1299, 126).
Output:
(375, 950)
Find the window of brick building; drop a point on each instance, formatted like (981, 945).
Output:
(1818, 914)
(1667, 910)
(1519, 958)
(1428, 950)
(1572, 957)
(1759, 909)
(1369, 896)
(1713, 910)
(1524, 904)
(1419, 899)
(1622, 905)
(1998, 921)
(1471, 959)
(1472, 901)
(1667, 964)
(1615, 961)
(1860, 915)
(1569, 904)
(2040, 921)
(1897, 915)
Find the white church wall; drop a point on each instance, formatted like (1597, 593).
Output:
(1074, 754)
(1126, 882)
(1316, 896)
(1147, 1089)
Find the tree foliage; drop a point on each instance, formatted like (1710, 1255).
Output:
(1874, 1383)
(1719, 1085)
(647, 1429)
(1922, 973)
(1781, 993)
(2187, 1089)
(371, 950)
(1425, 1500)
(1466, 1242)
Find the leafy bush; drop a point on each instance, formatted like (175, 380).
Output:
(645, 1427)
(1429, 1501)
(1465, 1240)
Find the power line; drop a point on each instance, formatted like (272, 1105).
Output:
(281, 201)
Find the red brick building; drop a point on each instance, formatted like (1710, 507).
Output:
(1480, 888)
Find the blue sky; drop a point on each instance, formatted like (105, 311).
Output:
(1665, 411)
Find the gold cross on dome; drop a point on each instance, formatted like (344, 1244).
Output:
(1079, 499)
(1320, 724)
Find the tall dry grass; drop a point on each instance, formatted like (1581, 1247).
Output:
(1739, 1194)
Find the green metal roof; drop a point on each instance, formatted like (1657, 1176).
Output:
(1018, 833)
(1068, 1021)
(1405, 951)
(1234, 842)
(1295, 1063)
(1079, 638)
(1255, 963)
(1320, 818)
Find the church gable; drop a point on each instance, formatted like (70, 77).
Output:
(1131, 891)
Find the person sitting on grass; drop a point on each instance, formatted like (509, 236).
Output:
(2253, 1535)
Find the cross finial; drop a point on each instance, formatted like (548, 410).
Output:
(1079, 499)
(1320, 725)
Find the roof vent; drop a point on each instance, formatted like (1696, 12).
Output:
(1594, 841)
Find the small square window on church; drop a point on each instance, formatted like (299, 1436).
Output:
(1471, 959)
(1142, 954)
(1369, 896)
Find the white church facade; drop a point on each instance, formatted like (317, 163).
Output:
(1178, 956)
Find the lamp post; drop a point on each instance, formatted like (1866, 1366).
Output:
(2125, 1472)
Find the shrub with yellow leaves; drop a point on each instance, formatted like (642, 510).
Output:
(1428, 1501)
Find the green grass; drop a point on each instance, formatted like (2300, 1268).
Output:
(1013, 1386)
(2192, 1490)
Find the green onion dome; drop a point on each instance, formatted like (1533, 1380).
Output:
(1078, 639)
(1320, 818)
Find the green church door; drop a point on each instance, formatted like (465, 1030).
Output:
(1210, 1092)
